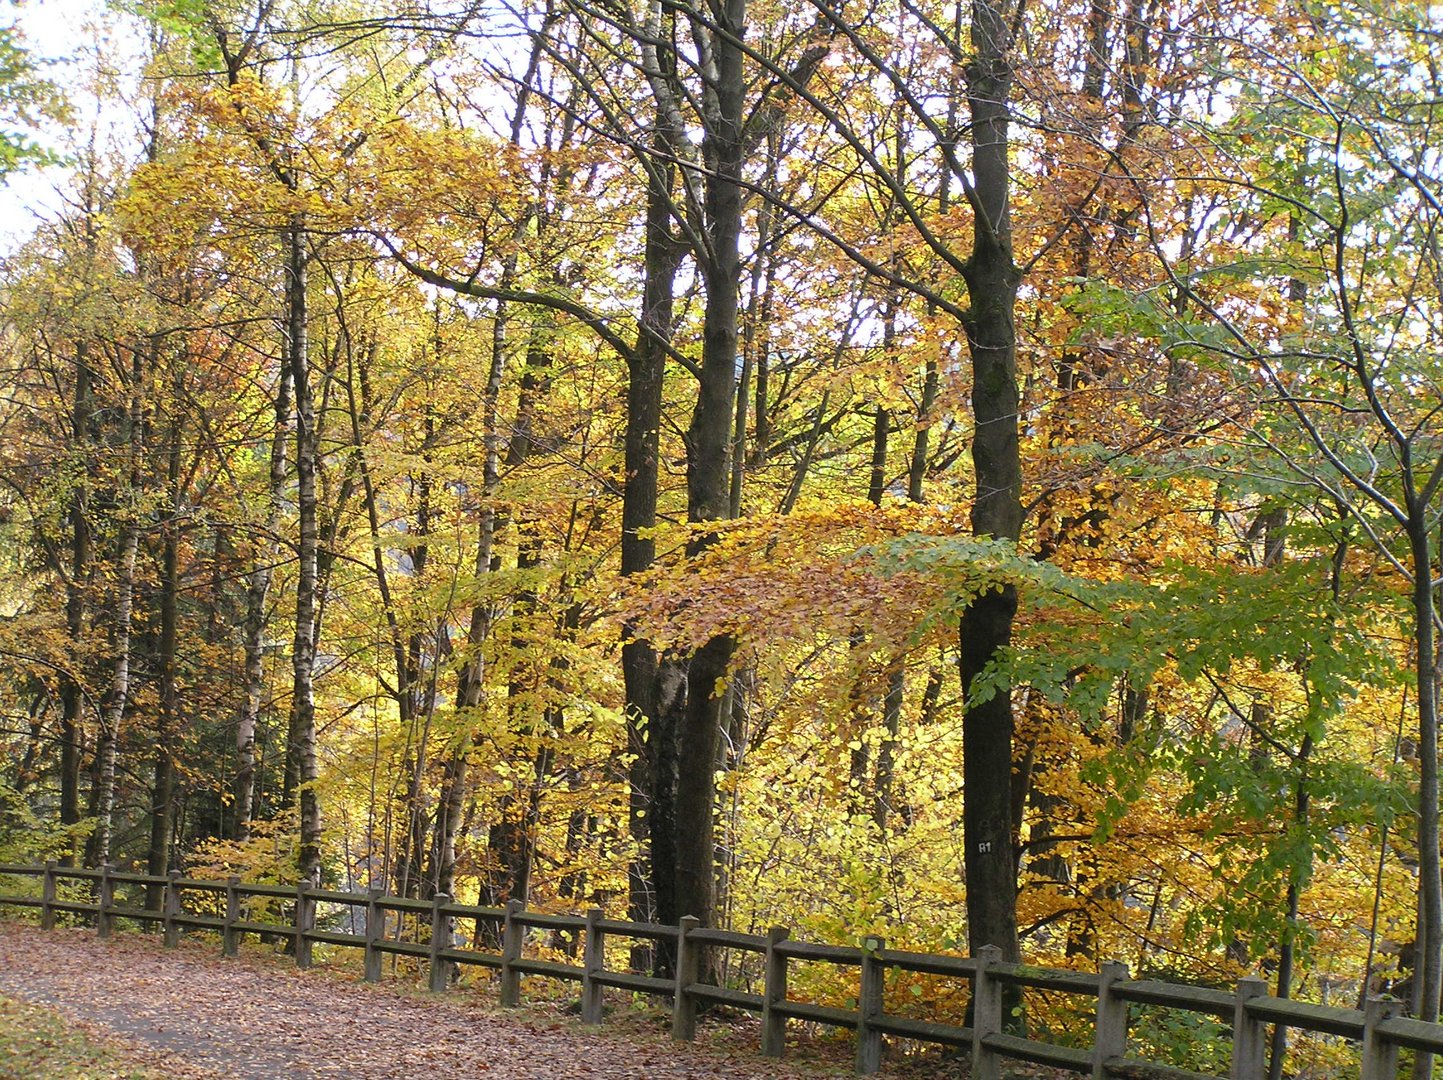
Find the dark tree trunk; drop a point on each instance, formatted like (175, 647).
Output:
(708, 443)
(664, 751)
(1429, 976)
(864, 698)
(301, 745)
(986, 622)
(72, 688)
(640, 664)
(162, 810)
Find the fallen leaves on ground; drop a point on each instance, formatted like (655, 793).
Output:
(252, 1018)
(38, 1043)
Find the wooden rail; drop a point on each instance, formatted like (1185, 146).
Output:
(1379, 1029)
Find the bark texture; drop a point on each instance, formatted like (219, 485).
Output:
(258, 586)
(301, 745)
(986, 622)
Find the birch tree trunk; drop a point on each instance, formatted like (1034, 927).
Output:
(108, 744)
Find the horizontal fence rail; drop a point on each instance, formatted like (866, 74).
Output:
(1379, 1029)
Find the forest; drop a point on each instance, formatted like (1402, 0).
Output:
(963, 471)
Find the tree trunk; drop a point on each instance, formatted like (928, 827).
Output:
(864, 699)
(162, 811)
(1429, 974)
(986, 622)
(258, 585)
(72, 687)
(301, 745)
(761, 290)
(708, 442)
(640, 664)
(107, 748)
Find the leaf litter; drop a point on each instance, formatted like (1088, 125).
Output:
(252, 1018)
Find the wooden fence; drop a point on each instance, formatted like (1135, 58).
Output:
(1378, 1029)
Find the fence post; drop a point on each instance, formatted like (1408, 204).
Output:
(1249, 1046)
(986, 1013)
(104, 902)
(774, 993)
(171, 909)
(869, 1006)
(594, 963)
(229, 937)
(1109, 1037)
(375, 930)
(47, 897)
(1379, 1056)
(688, 961)
(305, 923)
(512, 933)
(440, 941)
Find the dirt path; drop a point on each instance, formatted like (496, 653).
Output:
(254, 1019)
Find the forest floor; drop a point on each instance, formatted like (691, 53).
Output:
(187, 1013)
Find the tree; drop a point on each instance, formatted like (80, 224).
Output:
(986, 625)
(1350, 389)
